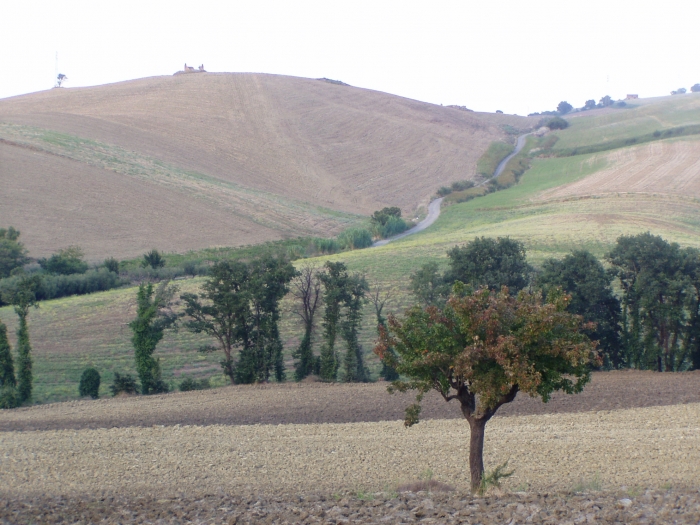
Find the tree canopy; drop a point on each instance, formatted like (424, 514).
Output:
(67, 261)
(564, 107)
(490, 262)
(582, 276)
(482, 349)
(12, 252)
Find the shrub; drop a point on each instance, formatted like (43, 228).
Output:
(190, 268)
(462, 185)
(393, 226)
(123, 383)
(355, 238)
(9, 398)
(326, 245)
(66, 262)
(112, 265)
(557, 123)
(153, 259)
(443, 191)
(188, 384)
(90, 383)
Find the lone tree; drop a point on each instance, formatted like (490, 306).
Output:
(306, 289)
(153, 316)
(153, 259)
(482, 349)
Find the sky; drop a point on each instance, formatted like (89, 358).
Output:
(517, 57)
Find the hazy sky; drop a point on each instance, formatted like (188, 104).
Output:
(518, 57)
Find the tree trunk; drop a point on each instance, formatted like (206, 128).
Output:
(477, 428)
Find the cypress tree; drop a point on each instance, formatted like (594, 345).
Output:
(24, 356)
(356, 289)
(334, 281)
(148, 329)
(7, 367)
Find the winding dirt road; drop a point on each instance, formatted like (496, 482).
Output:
(433, 214)
(434, 207)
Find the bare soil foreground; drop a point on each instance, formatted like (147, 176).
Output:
(589, 459)
(337, 403)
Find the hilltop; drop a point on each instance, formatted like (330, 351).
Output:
(193, 161)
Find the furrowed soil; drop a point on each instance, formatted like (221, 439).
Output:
(625, 451)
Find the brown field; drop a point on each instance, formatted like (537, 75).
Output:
(610, 443)
(660, 168)
(259, 156)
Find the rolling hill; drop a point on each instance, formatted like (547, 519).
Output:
(193, 161)
(561, 203)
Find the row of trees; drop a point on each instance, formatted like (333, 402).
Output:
(654, 324)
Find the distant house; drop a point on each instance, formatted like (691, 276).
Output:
(632, 97)
(190, 69)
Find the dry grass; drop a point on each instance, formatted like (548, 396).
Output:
(307, 142)
(663, 168)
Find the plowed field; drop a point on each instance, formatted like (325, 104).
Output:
(621, 446)
(665, 168)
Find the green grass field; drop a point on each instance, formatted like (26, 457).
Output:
(73, 333)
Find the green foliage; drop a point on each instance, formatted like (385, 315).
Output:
(564, 107)
(326, 245)
(490, 262)
(557, 123)
(125, 384)
(393, 226)
(493, 478)
(306, 289)
(188, 384)
(382, 216)
(355, 238)
(606, 101)
(9, 398)
(695, 88)
(23, 297)
(582, 276)
(55, 286)
(153, 259)
(261, 346)
(428, 285)
(67, 261)
(7, 367)
(590, 104)
(153, 317)
(112, 265)
(443, 191)
(660, 284)
(355, 299)
(89, 383)
(485, 347)
(242, 311)
(12, 252)
(489, 161)
(334, 280)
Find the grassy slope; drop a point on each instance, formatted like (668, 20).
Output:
(70, 333)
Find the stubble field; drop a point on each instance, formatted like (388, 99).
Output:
(632, 437)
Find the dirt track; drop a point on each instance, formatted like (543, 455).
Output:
(337, 403)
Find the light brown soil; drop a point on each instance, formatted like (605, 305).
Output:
(337, 403)
(350, 472)
(339, 147)
(635, 448)
(665, 168)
